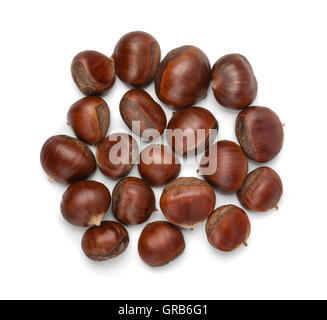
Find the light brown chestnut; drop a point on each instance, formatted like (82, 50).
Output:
(183, 77)
(89, 118)
(160, 243)
(186, 202)
(224, 166)
(261, 190)
(149, 118)
(158, 165)
(117, 154)
(137, 57)
(84, 203)
(260, 133)
(228, 228)
(93, 72)
(233, 82)
(66, 159)
(133, 201)
(105, 242)
(191, 130)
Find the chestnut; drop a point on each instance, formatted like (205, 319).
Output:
(89, 118)
(183, 77)
(66, 159)
(93, 72)
(137, 57)
(233, 82)
(191, 130)
(186, 202)
(158, 165)
(260, 133)
(84, 203)
(117, 154)
(160, 243)
(133, 201)
(261, 190)
(228, 228)
(138, 105)
(105, 242)
(224, 166)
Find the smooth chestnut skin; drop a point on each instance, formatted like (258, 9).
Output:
(228, 228)
(89, 118)
(160, 243)
(233, 82)
(138, 105)
(66, 159)
(261, 190)
(105, 242)
(84, 203)
(260, 133)
(186, 122)
(137, 57)
(133, 201)
(186, 202)
(112, 167)
(93, 72)
(183, 77)
(158, 165)
(229, 164)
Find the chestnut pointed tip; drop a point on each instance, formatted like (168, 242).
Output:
(50, 179)
(96, 220)
(283, 124)
(245, 244)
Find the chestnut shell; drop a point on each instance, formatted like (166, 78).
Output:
(233, 82)
(66, 159)
(160, 243)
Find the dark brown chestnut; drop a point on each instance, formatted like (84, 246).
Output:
(260, 133)
(117, 154)
(233, 82)
(149, 118)
(191, 130)
(133, 201)
(160, 243)
(66, 159)
(93, 72)
(84, 203)
(105, 242)
(158, 165)
(261, 190)
(89, 118)
(183, 77)
(224, 166)
(137, 57)
(228, 228)
(186, 202)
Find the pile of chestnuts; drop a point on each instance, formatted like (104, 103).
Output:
(181, 80)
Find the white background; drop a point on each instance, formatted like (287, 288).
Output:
(40, 254)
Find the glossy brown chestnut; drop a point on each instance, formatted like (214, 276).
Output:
(93, 72)
(233, 82)
(224, 166)
(228, 228)
(186, 202)
(160, 243)
(191, 130)
(260, 133)
(137, 57)
(138, 105)
(133, 201)
(89, 118)
(183, 77)
(158, 165)
(105, 242)
(117, 154)
(261, 190)
(66, 159)
(84, 203)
